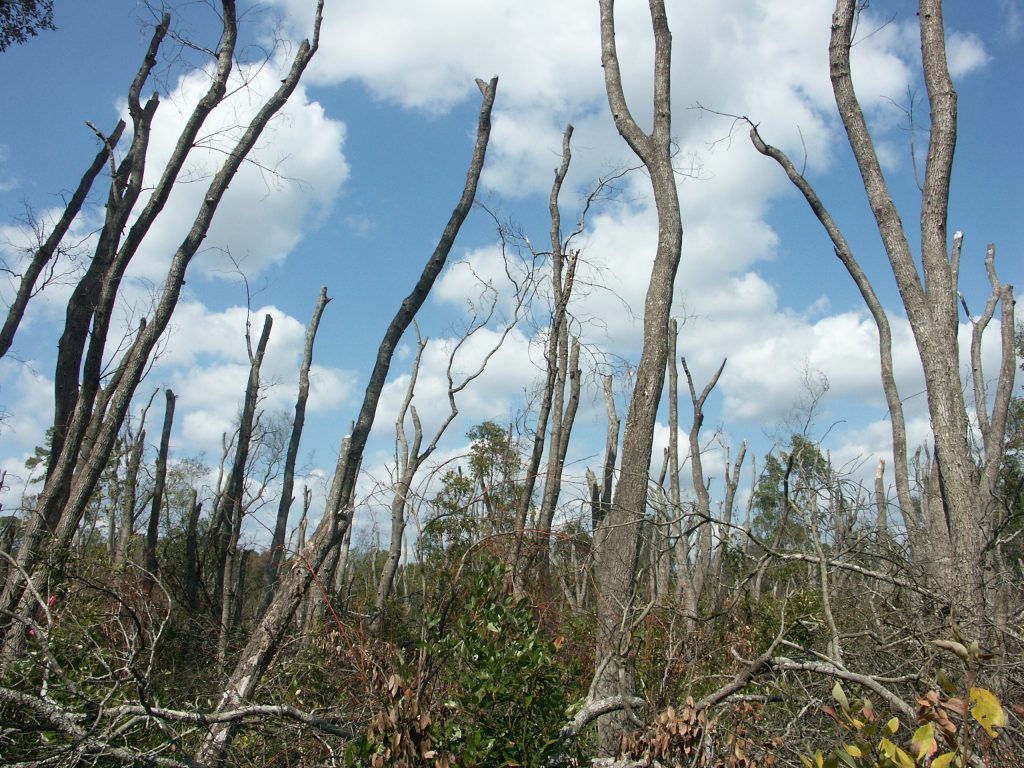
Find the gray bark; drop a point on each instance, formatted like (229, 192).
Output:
(288, 481)
(232, 500)
(71, 482)
(291, 590)
(27, 286)
(150, 565)
(616, 564)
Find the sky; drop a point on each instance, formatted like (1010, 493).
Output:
(351, 185)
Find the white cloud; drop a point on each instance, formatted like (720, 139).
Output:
(289, 180)
(965, 54)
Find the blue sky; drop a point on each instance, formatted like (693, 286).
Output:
(370, 157)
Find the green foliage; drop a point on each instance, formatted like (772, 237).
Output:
(22, 19)
(482, 502)
(492, 694)
(802, 471)
(506, 700)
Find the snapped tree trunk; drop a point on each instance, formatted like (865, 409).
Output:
(291, 590)
(232, 500)
(288, 481)
(150, 565)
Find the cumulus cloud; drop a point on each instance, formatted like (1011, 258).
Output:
(206, 363)
(290, 179)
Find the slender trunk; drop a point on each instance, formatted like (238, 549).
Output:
(149, 560)
(232, 501)
(131, 486)
(192, 564)
(266, 638)
(27, 287)
(288, 482)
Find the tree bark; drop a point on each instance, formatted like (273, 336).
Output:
(288, 482)
(267, 636)
(232, 500)
(149, 561)
(71, 482)
(45, 253)
(616, 564)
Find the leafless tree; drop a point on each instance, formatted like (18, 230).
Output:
(149, 560)
(288, 483)
(88, 417)
(265, 640)
(616, 563)
(958, 519)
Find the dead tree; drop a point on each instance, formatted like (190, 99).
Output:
(232, 507)
(44, 256)
(288, 482)
(149, 561)
(616, 563)
(82, 409)
(962, 531)
(556, 360)
(410, 458)
(265, 639)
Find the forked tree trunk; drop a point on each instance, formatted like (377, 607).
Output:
(960, 516)
(616, 564)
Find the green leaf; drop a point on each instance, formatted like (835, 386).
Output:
(987, 710)
(840, 696)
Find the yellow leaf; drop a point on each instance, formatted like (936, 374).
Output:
(893, 725)
(987, 710)
(887, 748)
(854, 750)
(903, 760)
(944, 760)
(923, 741)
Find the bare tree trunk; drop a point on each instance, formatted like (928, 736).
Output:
(71, 482)
(128, 500)
(44, 254)
(232, 501)
(561, 429)
(265, 639)
(601, 493)
(732, 480)
(149, 561)
(192, 567)
(616, 564)
(555, 356)
(288, 482)
(930, 299)
(702, 563)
